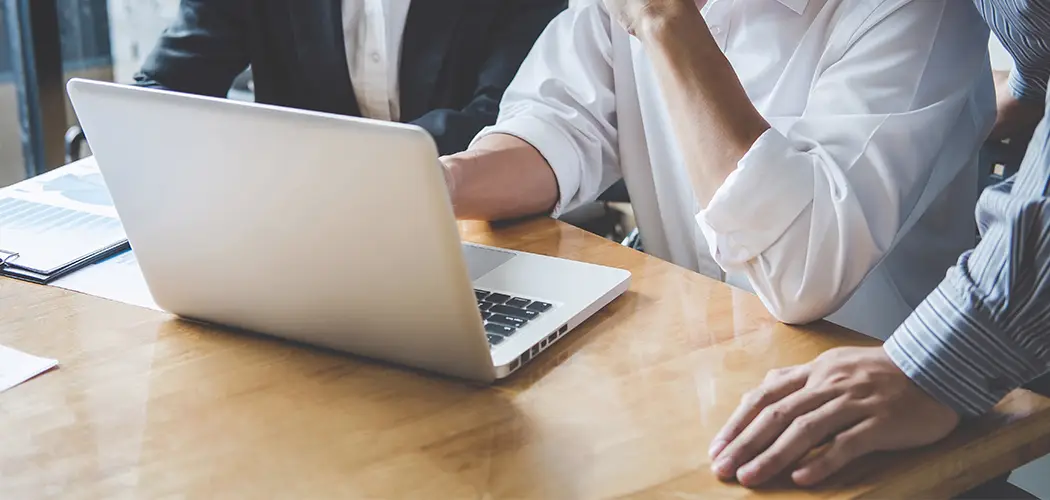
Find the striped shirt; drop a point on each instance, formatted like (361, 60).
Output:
(986, 329)
(1023, 27)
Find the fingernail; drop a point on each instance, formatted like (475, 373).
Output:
(800, 477)
(715, 448)
(722, 467)
(745, 471)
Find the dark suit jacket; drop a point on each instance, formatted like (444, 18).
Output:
(457, 58)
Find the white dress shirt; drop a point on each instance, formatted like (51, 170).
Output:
(869, 173)
(372, 30)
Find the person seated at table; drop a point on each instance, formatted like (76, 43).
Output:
(440, 65)
(822, 153)
(982, 333)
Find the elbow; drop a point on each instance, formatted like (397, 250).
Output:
(801, 307)
(801, 291)
(798, 315)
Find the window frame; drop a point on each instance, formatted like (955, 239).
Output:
(35, 42)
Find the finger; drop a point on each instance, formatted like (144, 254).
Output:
(848, 446)
(802, 436)
(778, 384)
(765, 428)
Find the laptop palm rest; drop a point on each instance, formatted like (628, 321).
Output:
(481, 260)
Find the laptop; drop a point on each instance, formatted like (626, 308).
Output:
(322, 229)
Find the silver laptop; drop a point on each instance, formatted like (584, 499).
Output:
(323, 229)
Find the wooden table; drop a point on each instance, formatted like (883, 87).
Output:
(147, 406)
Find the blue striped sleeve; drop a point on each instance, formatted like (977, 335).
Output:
(1023, 27)
(1028, 85)
(986, 329)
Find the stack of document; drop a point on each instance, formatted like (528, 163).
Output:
(58, 222)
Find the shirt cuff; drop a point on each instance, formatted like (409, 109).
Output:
(951, 350)
(1027, 88)
(771, 186)
(555, 147)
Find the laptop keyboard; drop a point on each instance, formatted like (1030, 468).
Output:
(504, 314)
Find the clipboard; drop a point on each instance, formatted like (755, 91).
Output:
(9, 264)
(57, 223)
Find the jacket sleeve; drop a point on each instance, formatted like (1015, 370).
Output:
(201, 52)
(516, 30)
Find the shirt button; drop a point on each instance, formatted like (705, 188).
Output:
(716, 30)
(375, 57)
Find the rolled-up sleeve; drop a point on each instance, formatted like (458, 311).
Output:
(562, 103)
(820, 199)
(739, 230)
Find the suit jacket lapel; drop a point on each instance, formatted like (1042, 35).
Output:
(429, 30)
(317, 31)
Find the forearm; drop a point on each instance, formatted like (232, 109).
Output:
(501, 177)
(714, 121)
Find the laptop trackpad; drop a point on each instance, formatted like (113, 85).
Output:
(480, 260)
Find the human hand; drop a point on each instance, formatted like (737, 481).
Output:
(1014, 117)
(854, 399)
(445, 162)
(631, 14)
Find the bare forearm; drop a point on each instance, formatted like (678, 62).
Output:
(714, 121)
(501, 177)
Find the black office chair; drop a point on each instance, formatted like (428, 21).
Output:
(74, 144)
(617, 193)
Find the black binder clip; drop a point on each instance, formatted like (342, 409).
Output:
(6, 257)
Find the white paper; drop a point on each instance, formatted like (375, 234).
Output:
(17, 367)
(78, 186)
(118, 278)
(57, 217)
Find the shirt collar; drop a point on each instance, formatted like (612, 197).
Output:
(798, 6)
